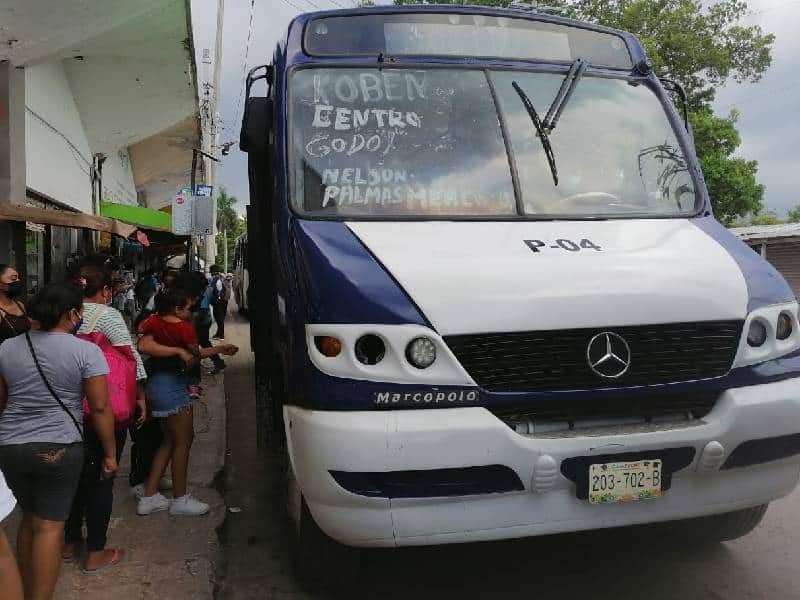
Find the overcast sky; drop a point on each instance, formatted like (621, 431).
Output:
(768, 123)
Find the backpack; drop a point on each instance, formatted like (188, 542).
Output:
(220, 298)
(121, 375)
(227, 290)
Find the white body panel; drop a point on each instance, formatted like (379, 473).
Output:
(320, 441)
(473, 277)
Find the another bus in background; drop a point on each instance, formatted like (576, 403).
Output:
(241, 278)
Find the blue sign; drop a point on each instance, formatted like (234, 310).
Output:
(203, 190)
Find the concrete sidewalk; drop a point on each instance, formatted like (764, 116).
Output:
(169, 558)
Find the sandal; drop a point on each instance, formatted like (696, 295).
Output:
(116, 558)
(70, 551)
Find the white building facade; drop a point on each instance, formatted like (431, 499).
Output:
(99, 102)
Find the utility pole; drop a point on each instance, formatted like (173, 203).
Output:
(225, 247)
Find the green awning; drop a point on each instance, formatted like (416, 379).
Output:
(137, 215)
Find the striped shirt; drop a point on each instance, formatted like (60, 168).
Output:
(112, 325)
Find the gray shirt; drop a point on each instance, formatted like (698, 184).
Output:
(32, 414)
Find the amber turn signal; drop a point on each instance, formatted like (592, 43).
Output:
(329, 346)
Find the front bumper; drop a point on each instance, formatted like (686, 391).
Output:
(378, 441)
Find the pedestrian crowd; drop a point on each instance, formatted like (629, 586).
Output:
(74, 384)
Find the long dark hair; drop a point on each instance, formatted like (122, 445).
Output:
(53, 302)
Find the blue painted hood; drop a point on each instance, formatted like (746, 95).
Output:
(343, 282)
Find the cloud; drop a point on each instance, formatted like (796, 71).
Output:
(768, 121)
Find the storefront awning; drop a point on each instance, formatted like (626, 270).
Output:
(63, 218)
(137, 215)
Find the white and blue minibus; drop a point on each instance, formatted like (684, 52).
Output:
(489, 297)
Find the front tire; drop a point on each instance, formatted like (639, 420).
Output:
(318, 558)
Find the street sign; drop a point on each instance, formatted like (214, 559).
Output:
(204, 190)
(203, 215)
(193, 214)
(182, 213)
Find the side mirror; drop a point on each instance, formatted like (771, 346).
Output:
(256, 124)
(257, 118)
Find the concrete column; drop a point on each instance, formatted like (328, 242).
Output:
(12, 161)
(12, 134)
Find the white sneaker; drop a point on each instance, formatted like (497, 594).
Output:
(165, 484)
(186, 505)
(137, 491)
(151, 504)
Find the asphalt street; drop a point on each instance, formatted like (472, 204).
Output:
(639, 562)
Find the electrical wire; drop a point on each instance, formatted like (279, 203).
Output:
(240, 100)
(293, 5)
(55, 130)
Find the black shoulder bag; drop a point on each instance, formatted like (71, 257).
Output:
(49, 387)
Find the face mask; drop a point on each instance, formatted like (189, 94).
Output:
(15, 289)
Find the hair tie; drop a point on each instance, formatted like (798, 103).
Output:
(80, 282)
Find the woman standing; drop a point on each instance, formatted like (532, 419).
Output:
(95, 496)
(13, 319)
(170, 402)
(44, 376)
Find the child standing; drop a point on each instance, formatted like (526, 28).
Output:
(170, 401)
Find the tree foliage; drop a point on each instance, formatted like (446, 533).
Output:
(794, 214)
(702, 45)
(731, 180)
(228, 221)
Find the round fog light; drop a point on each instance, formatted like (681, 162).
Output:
(784, 328)
(421, 352)
(370, 349)
(328, 345)
(757, 334)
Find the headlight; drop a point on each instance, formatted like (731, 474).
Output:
(421, 352)
(405, 354)
(370, 349)
(756, 333)
(769, 332)
(785, 326)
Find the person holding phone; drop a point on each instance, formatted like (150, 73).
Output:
(44, 375)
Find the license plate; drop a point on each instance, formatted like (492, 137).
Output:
(625, 481)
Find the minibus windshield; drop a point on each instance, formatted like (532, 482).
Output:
(383, 143)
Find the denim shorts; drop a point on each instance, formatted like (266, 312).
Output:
(43, 476)
(167, 393)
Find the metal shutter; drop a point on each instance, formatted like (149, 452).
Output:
(786, 258)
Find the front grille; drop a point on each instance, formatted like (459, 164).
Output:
(556, 360)
(430, 483)
(647, 407)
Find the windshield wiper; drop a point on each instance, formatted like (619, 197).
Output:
(540, 130)
(568, 86)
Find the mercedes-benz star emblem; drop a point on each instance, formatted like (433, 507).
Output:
(608, 355)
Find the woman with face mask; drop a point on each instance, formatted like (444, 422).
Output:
(44, 376)
(95, 496)
(13, 318)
